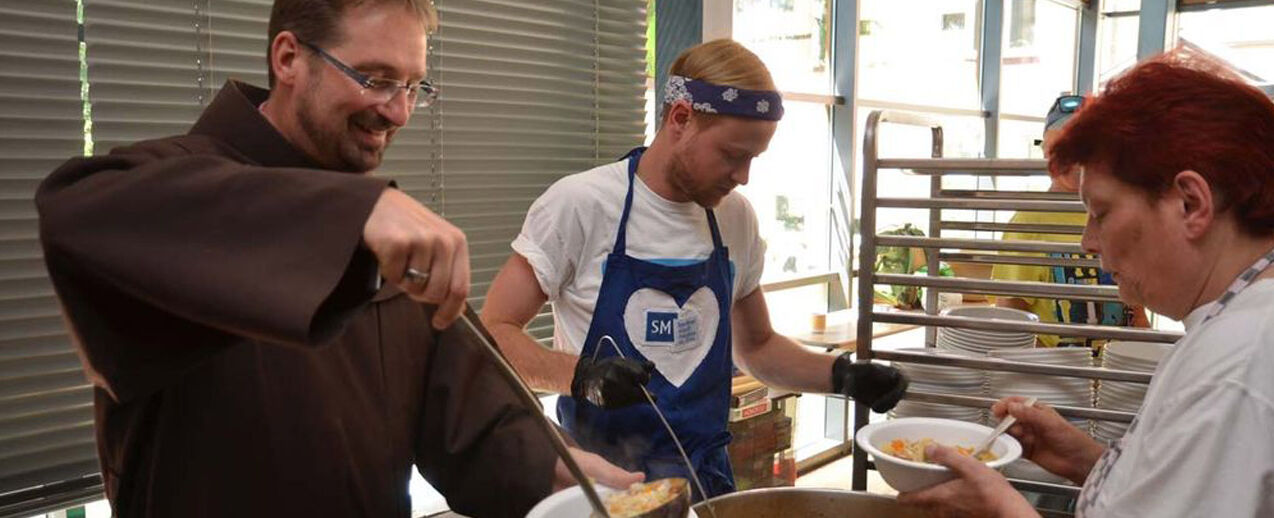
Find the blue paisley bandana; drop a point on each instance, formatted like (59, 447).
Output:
(706, 97)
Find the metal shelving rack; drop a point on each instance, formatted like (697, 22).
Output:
(938, 248)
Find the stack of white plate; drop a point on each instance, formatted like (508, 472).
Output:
(941, 380)
(979, 341)
(1121, 395)
(1053, 390)
(1134, 356)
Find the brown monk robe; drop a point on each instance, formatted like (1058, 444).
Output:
(244, 361)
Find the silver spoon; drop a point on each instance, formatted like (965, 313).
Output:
(1004, 425)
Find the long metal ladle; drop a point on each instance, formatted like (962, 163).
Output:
(471, 321)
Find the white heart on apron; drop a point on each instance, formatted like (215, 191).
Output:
(674, 338)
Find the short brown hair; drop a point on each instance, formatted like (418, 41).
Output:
(1177, 112)
(316, 21)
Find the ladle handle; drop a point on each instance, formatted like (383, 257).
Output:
(471, 321)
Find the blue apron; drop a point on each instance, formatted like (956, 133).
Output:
(633, 437)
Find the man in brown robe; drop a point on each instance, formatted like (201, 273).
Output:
(224, 289)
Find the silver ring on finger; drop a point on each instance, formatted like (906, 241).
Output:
(415, 276)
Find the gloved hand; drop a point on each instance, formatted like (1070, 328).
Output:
(611, 382)
(877, 386)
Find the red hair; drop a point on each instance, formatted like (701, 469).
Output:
(1180, 112)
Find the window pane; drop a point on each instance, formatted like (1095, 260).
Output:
(1240, 36)
(791, 309)
(1113, 6)
(1017, 139)
(791, 37)
(1116, 46)
(1038, 60)
(789, 186)
(962, 137)
(919, 52)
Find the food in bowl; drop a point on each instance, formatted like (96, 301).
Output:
(910, 475)
(642, 498)
(915, 450)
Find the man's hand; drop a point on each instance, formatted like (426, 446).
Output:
(596, 468)
(611, 382)
(1050, 440)
(877, 386)
(979, 490)
(403, 234)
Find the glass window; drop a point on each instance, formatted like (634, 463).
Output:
(1116, 45)
(789, 187)
(1017, 138)
(792, 38)
(1239, 36)
(1021, 23)
(790, 184)
(919, 52)
(963, 136)
(1116, 6)
(1038, 60)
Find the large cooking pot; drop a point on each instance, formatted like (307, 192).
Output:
(798, 502)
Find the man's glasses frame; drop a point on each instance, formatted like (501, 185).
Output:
(420, 94)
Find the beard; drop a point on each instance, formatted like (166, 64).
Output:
(705, 195)
(338, 148)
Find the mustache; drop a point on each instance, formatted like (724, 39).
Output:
(373, 121)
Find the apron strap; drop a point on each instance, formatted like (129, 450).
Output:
(621, 238)
(716, 232)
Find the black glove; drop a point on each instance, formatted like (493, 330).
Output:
(877, 386)
(611, 382)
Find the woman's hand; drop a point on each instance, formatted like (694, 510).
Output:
(1050, 440)
(979, 491)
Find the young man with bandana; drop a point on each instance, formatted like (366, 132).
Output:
(653, 266)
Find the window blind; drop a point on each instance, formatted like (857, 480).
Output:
(531, 92)
(46, 413)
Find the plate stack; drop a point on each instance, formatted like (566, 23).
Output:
(943, 380)
(1053, 390)
(979, 341)
(1122, 395)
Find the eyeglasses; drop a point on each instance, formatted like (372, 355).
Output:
(420, 94)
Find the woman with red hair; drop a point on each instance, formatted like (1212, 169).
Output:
(1177, 160)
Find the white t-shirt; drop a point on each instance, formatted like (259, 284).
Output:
(1204, 440)
(571, 228)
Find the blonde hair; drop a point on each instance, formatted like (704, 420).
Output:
(722, 62)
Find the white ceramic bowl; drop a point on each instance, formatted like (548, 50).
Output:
(571, 503)
(906, 475)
